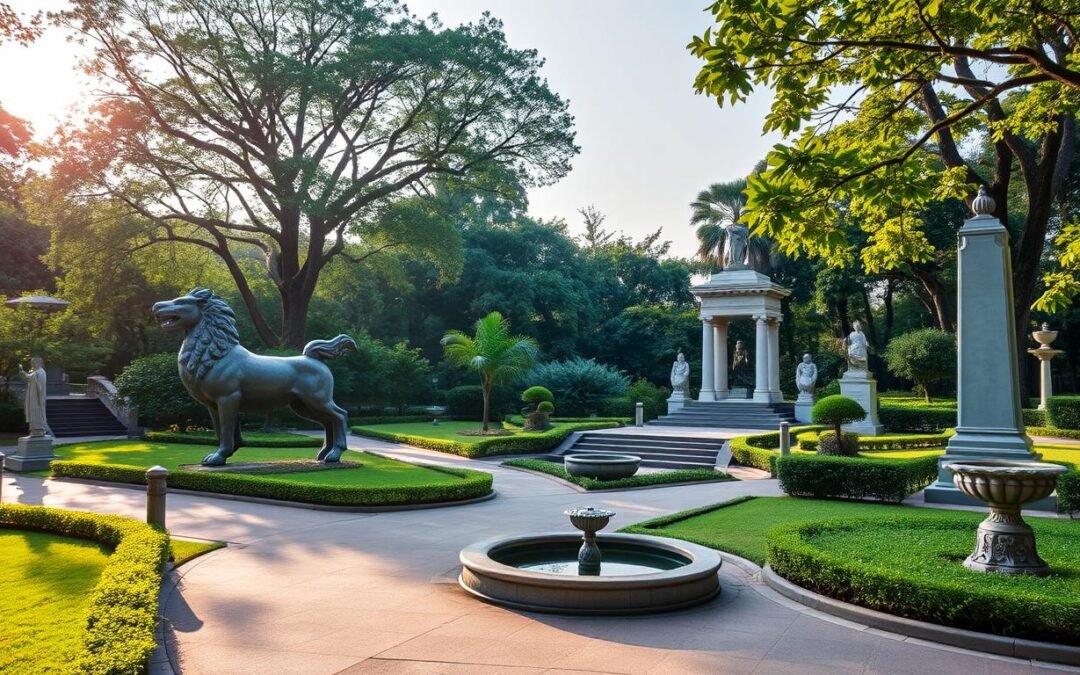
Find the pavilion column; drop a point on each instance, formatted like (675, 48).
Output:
(761, 360)
(720, 361)
(708, 391)
(774, 359)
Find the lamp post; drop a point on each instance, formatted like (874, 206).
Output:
(39, 303)
(1044, 353)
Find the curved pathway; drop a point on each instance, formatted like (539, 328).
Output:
(301, 591)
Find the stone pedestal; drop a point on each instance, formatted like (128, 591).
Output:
(676, 402)
(989, 423)
(860, 386)
(33, 454)
(739, 393)
(803, 406)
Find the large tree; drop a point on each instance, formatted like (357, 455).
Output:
(294, 126)
(884, 99)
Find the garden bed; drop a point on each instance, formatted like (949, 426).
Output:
(381, 481)
(103, 624)
(444, 437)
(640, 480)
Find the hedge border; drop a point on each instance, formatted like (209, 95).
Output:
(889, 590)
(887, 479)
(809, 441)
(1052, 432)
(498, 445)
(761, 450)
(119, 634)
(641, 480)
(190, 439)
(474, 484)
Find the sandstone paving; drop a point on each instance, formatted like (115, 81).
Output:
(304, 591)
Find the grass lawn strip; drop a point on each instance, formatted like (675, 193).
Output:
(380, 482)
(444, 437)
(47, 580)
(183, 551)
(640, 480)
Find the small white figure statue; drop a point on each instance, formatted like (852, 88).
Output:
(36, 381)
(736, 247)
(806, 377)
(680, 376)
(858, 349)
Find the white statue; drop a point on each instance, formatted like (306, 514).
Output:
(806, 377)
(858, 349)
(736, 247)
(680, 376)
(35, 379)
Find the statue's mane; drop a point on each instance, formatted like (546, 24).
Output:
(210, 339)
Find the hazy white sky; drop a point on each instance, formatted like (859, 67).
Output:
(648, 143)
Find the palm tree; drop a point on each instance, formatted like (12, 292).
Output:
(715, 207)
(494, 353)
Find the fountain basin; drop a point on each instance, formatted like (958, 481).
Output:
(638, 575)
(601, 466)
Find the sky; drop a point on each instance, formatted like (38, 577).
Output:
(649, 144)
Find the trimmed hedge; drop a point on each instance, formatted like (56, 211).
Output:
(473, 484)
(119, 635)
(1050, 432)
(1063, 412)
(1033, 417)
(760, 450)
(809, 441)
(1019, 613)
(890, 480)
(916, 418)
(209, 438)
(390, 419)
(1068, 493)
(640, 480)
(516, 444)
(846, 445)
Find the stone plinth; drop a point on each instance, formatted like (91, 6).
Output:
(676, 402)
(803, 407)
(860, 386)
(33, 454)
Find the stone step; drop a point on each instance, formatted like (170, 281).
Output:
(643, 450)
(662, 441)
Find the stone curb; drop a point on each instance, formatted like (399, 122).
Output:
(294, 505)
(956, 637)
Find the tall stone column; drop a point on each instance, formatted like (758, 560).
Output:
(761, 360)
(989, 423)
(720, 363)
(774, 359)
(708, 391)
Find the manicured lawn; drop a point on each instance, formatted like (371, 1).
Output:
(377, 471)
(282, 439)
(639, 480)
(183, 550)
(45, 584)
(740, 527)
(1051, 452)
(447, 430)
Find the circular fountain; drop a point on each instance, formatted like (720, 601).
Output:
(1004, 542)
(596, 574)
(601, 466)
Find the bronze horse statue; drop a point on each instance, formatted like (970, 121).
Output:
(228, 379)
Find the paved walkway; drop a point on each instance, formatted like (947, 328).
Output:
(301, 591)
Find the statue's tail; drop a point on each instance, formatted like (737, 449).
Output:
(324, 350)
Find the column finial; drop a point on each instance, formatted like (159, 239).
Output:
(983, 204)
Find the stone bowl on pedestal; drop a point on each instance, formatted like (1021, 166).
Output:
(601, 466)
(1004, 542)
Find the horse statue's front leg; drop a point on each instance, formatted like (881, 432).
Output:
(228, 408)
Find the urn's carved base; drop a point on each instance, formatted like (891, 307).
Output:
(588, 558)
(1004, 543)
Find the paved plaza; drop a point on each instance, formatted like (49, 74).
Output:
(304, 591)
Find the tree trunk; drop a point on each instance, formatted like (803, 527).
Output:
(295, 301)
(939, 297)
(487, 403)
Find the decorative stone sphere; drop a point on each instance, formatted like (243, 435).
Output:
(983, 204)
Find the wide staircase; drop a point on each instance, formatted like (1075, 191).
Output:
(77, 416)
(729, 415)
(664, 452)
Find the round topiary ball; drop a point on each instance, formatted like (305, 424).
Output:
(836, 410)
(545, 407)
(536, 395)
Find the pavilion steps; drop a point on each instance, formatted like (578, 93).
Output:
(656, 451)
(75, 416)
(729, 415)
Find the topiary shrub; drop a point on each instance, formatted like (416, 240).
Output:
(835, 411)
(539, 406)
(889, 480)
(153, 384)
(545, 407)
(11, 418)
(1063, 411)
(925, 357)
(579, 385)
(847, 447)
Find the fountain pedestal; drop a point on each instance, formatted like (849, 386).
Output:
(589, 520)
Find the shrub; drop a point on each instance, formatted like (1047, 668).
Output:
(654, 397)
(759, 450)
(389, 419)
(11, 418)
(1051, 432)
(836, 411)
(1064, 412)
(545, 407)
(809, 442)
(153, 384)
(925, 357)
(122, 614)
(914, 418)
(848, 445)
(1034, 417)
(579, 385)
(499, 445)
(889, 480)
(473, 484)
(639, 480)
(539, 407)
(1068, 493)
(467, 402)
(537, 395)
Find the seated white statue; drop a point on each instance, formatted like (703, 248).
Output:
(680, 376)
(806, 377)
(858, 348)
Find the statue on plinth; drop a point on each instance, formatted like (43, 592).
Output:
(737, 247)
(806, 378)
(858, 348)
(740, 366)
(36, 383)
(680, 376)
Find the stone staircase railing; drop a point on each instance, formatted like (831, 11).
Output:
(104, 390)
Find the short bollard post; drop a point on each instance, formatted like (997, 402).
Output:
(2, 458)
(785, 439)
(639, 414)
(155, 495)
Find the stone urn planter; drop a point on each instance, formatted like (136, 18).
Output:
(1004, 542)
(601, 466)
